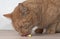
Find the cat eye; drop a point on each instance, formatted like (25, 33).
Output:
(25, 12)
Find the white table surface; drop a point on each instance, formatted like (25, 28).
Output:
(5, 34)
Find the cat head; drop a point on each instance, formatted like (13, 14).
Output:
(22, 19)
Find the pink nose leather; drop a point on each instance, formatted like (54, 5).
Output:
(25, 34)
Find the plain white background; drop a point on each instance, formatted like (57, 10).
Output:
(7, 6)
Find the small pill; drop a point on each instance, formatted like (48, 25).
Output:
(30, 35)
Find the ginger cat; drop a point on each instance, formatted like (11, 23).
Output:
(45, 14)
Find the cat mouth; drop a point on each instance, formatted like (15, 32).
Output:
(25, 34)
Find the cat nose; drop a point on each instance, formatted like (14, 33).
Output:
(25, 34)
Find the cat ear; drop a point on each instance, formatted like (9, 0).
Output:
(8, 15)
